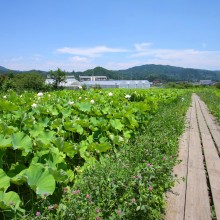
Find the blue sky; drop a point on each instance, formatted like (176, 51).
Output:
(116, 34)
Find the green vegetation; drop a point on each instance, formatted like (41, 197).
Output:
(31, 81)
(58, 77)
(212, 99)
(117, 147)
(180, 85)
(170, 73)
(22, 82)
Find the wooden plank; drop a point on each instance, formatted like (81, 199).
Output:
(211, 122)
(197, 200)
(189, 199)
(212, 160)
(176, 198)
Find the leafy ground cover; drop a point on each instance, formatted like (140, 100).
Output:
(212, 99)
(105, 154)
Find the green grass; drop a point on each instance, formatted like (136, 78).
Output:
(212, 99)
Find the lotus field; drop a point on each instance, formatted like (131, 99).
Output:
(48, 140)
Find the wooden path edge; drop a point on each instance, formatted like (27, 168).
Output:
(192, 198)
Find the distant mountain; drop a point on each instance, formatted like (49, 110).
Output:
(169, 73)
(3, 69)
(150, 71)
(155, 72)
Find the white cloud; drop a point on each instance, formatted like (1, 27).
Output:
(122, 65)
(142, 46)
(77, 59)
(177, 57)
(69, 66)
(90, 52)
(143, 53)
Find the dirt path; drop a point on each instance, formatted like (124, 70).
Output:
(198, 196)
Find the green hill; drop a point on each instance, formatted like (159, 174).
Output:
(169, 73)
(3, 69)
(155, 72)
(151, 72)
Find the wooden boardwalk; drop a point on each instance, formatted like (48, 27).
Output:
(197, 196)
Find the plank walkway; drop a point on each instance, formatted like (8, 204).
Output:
(198, 194)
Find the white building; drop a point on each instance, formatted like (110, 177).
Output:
(90, 82)
(205, 82)
(69, 82)
(92, 78)
(129, 84)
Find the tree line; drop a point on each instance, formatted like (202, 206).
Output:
(31, 81)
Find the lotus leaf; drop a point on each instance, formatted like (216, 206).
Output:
(8, 199)
(40, 180)
(22, 142)
(4, 180)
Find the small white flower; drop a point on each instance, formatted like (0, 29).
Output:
(92, 101)
(127, 96)
(70, 103)
(110, 94)
(80, 97)
(40, 94)
(34, 105)
(80, 87)
(49, 95)
(4, 96)
(183, 99)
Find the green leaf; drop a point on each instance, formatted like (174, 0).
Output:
(116, 124)
(69, 148)
(37, 130)
(54, 157)
(83, 146)
(85, 106)
(138, 208)
(102, 147)
(4, 180)
(16, 169)
(56, 123)
(5, 142)
(43, 122)
(94, 121)
(133, 122)
(44, 138)
(10, 197)
(59, 175)
(22, 142)
(8, 106)
(116, 139)
(7, 130)
(2, 153)
(71, 126)
(40, 180)
(70, 175)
